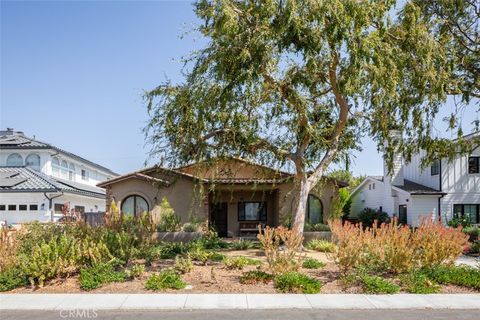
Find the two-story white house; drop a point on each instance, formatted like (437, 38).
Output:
(37, 179)
(445, 190)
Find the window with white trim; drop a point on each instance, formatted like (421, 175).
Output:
(33, 161)
(14, 160)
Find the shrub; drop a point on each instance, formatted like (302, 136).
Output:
(190, 227)
(170, 250)
(464, 276)
(255, 276)
(474, 247)
(460, 221)
(281, 261)
(121, 243)
(58, 257)
(375, 284)
(239, 262)
(96, 276)
(295, 282)
(369, 215)
(243, 244)
(311, 263)
(316, 227)
(211, 240)
(8, 249)
(473, 232)
(394, 248)
(198, 253)
(168, 220)
(183, 265)
(11, 279)
(167, 279)
(320, 245)
(136, 271)
(417, 282)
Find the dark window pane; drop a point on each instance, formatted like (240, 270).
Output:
(134, 206)
(435, 168)
(58, 207)
(457, 210)
(80, 209)
(12, 207)
(2, 207)
(314, 210)
(252, 211)
(473, 165)
(22, 207)
(33, 207)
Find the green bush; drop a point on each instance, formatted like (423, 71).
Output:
(473, 232)
(211, 241)
(190, 227)
(136, 271)
(183, 265)
(460, 221)
(96, 276)
(168, 220)
(295, 282)
(239, 262)
(60, 256)
(167, 279)
(375, 284)
(122, 244)
(255, 276)
(369, 215)
(464, 276)
(316, 227)
(417, 282)
(11, 279)
(474, 247)
(198, 253)
(320, 245)
(311, 263)
(243, 245)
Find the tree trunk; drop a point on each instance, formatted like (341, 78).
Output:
(300, 203)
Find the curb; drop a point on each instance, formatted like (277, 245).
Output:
(236, 301)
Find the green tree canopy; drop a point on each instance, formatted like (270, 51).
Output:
(299, 82)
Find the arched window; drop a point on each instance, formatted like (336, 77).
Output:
(71, 172)
(314, 210)
(14, 160)
(55, 167)
(64, 169)
(33, 161)
(134, 205)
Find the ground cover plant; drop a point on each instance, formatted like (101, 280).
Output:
(100, 274)
(312, 263)
(256, 276)
(320, 245)
(294, 282)
(167, 279)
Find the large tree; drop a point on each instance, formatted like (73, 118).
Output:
(299, 82)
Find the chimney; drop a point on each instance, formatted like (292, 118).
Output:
(10, 132)
(395, 177)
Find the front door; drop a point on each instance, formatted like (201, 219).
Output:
(402, 214)
(218, 218)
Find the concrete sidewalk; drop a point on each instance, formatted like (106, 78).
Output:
(235, 301)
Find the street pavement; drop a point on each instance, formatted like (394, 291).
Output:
(234, 314)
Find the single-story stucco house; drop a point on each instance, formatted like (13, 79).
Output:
(233, 194)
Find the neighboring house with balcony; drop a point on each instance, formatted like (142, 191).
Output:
(445, 190)
(37, 179)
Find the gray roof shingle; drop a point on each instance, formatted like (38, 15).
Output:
(419, 189)
(23, 179)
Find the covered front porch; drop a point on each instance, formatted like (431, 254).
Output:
(237, 211)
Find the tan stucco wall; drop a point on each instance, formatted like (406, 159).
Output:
(325, 191)
(181, 196)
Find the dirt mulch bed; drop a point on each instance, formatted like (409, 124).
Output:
(215, 278)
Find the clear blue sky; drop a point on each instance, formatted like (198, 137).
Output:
(73, 73)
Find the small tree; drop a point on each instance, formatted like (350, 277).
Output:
(168, 220)
(298, 82)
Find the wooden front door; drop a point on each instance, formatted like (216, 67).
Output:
(218, 218)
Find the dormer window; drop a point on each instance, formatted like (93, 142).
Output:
(435, 168)
(473, 165)
(84, 175)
